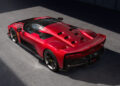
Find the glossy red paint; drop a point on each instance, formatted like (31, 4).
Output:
(77, 44)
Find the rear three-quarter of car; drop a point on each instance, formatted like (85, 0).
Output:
(76, 46)
(61, 45)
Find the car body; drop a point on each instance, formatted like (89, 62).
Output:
(70, 45)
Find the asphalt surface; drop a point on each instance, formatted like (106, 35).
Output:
(20, 68)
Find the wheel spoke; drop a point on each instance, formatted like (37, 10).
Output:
(13, 36)
(50, 62)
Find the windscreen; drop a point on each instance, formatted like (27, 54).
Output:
(47, 21)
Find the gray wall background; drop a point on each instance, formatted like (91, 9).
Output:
(112, 4)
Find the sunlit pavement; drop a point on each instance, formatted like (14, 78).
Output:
(30, 72)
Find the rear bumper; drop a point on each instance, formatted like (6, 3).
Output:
(84, 60)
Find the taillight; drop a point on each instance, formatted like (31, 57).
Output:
(73, 55)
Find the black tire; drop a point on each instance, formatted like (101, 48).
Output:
(13, 35)
(50, 60)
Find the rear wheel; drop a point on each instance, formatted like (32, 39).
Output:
(50, 60)
(13, 35)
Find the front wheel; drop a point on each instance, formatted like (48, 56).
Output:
(13, 35)
(50, 60)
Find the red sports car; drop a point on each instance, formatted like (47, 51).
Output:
(59, 44)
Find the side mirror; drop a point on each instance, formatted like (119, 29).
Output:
(60, 18)
(19, 29)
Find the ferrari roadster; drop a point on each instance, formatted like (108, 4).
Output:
(58, 44)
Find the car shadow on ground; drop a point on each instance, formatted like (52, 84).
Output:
(8, 77)
(104, 71)
(27, 49)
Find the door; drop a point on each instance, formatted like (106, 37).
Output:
(31, 35)
(28, 34)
